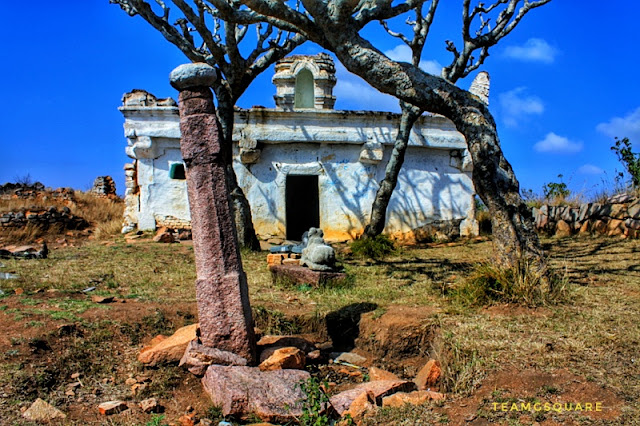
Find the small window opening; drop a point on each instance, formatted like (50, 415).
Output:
(304, 90)
(176, 171)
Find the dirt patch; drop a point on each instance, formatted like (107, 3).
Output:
(398, 338)
(527, 396)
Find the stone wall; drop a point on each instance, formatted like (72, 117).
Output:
(620, 216)
(34, 191)
(43, 218)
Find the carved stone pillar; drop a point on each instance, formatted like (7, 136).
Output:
(221, 285)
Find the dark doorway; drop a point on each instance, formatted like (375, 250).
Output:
(303, 206)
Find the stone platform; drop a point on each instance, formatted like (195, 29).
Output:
(302, 275)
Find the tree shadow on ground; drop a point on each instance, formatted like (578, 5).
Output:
(436, 270)
(581, 260)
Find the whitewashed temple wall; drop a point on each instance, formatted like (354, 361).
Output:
(347, 151)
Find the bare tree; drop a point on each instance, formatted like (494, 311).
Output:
(200, 33)
(410, 114)
(336, 25)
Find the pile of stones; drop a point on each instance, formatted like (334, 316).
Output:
(43, 218)
(34, 191)
(104, 186)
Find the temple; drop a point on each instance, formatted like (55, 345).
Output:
(303, 164)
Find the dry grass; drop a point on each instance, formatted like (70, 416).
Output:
(104, 215)
(593, 333)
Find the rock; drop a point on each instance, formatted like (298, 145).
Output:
(414, 398)
(428, 375)
(599, 226)
(632, 224)
(41, 411)
(284, 358)
(151, 405)
(618, 211)
(164, 236)
(380, 388)
(376, 373)
(365, 402)
(170, 349)
(112, 407)
(634, 210)
(562, 229)
(193, 75)
(291, 261)
(584, 228)
(198, 357)
(584, 209)
(301, 275)
(187, 420)
(268, 344)
(102, 299)
(314, 357)
(184, 235)
(274, 396)
(615, 227)
(620, 198)
(349, 357)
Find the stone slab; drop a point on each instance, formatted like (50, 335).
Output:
(274, 396)
(301, 275)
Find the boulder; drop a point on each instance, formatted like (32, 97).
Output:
(563, 229)
(379, 389)
(615, 227)
(274, 396)
(41, 411)
(170, 349)
(599, 226)
(428, 375)
(284, 358)
(584, 228)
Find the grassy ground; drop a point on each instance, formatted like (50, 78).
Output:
(591, 337)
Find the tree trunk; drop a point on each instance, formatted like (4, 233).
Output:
(380, 204)
(513, 233)
(240, 205)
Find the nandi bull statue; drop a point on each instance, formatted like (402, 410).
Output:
(318, 255)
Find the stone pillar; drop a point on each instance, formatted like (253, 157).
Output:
(221, 285)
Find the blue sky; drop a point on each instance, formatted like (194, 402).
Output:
(563, 84)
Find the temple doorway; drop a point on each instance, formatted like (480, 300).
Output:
(302, 204)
